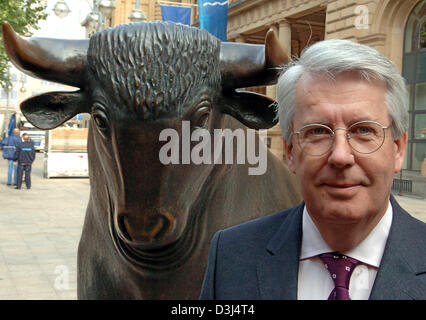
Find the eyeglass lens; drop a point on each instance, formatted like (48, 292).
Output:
(363, 137)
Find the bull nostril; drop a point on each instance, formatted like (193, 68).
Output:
(154, 228)
(123, 229)
(157, 227)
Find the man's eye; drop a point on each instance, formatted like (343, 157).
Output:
(363, 130)
(316, 131)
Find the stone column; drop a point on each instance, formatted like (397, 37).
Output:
(271, 91)
(283, 29)
(151, 10)
(284, 34)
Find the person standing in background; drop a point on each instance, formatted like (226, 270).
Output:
(9, 150)
(25, 155)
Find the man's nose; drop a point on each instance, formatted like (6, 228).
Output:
(341, 154)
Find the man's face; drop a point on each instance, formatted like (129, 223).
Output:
(343, 186)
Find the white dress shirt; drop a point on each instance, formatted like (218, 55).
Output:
(314, 280)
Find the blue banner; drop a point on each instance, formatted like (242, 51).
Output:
(176, 14)
(214, 17)
(12, 124)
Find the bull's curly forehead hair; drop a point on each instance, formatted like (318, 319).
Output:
(152, 66)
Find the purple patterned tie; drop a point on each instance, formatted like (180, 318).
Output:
(340, 268)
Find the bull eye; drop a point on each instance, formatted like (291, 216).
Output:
(200, 118)
(100, 118)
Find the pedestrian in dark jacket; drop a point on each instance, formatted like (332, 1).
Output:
(9, 150)
(25, 155)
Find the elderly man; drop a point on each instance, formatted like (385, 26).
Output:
(343, 112)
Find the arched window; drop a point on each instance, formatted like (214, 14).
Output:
(414, 71)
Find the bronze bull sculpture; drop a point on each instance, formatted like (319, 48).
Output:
(148, 225)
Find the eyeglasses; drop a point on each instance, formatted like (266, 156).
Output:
(363, 137)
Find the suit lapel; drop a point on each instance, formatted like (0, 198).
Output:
(398, 277)
(403, 259)
(278, 269)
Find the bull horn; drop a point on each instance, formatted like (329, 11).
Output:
(275, 53)
(56, 60)
(248, 65)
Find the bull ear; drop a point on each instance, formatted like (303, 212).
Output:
(254, 110)
(49, 110)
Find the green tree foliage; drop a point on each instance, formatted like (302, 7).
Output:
(24, 16)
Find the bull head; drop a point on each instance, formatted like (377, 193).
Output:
(65, 61)
(125, 141)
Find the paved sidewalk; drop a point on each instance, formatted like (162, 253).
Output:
(40, 229)
(39, 233)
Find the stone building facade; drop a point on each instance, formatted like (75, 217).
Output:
(380, 24)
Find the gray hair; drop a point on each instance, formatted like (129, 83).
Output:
(331, 57)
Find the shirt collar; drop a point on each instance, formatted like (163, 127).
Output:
(369, 251)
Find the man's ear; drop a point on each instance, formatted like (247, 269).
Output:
(288, 149)
(400, 147)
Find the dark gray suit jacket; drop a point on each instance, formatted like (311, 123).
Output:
(259, 259)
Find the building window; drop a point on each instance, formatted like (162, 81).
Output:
(268, 142)
(13, 95)
(414, 72)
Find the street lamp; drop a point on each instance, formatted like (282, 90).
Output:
(61, 9)
(23, 82)
(106, 7)
(95, 20)
(8, 89)
(91, 21)
(137, 14)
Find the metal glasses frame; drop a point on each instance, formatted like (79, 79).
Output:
(348, 136)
